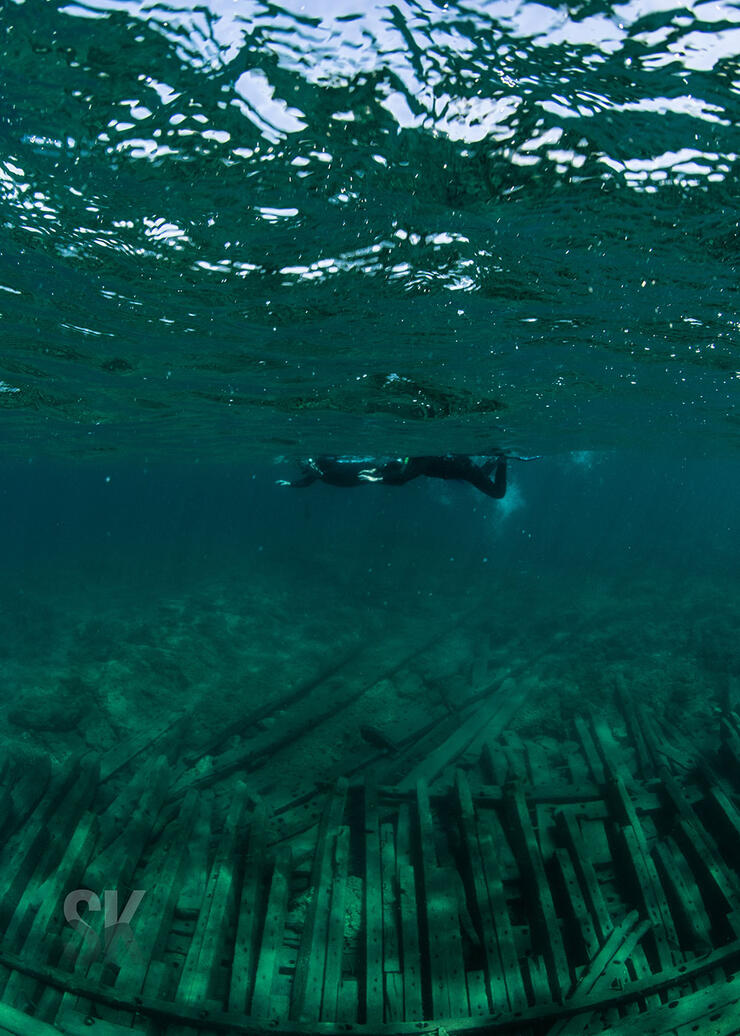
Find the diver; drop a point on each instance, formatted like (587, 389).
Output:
(487, 473)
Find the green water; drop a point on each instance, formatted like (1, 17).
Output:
(234, 235)
(243, 230)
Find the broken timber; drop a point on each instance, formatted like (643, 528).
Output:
(487, 891)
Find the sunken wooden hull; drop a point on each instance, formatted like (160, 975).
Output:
(478, 883)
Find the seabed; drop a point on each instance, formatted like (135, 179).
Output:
(462, 876)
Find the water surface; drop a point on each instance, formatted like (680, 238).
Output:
(238, 230)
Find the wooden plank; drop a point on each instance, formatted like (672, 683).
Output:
(69, 815)
(645, 875)
(545, 925)
(682, 753)
(48, 917)
(73, 1022)
(409, 939)
(494, 764)
(273, 706)
(19, 880)
(391, 948)
(608, 748)
(484, 917)
(633, 719)
(538, 763)
(126, 751)
(449, 862)
(29, 786)
(193, 888)
(429, 907)
(689, 913)
(615, 950)
(123, 852)
(516, 754)
(441, 926)
(17, 1023)
(204, 955)
(728, 819)
(538, 981)
(311, 960)
(393, 996)
(8, 822)
(645, 879)
(373, 918)
(403, 831)
(33, 851)
(411, 952)
(509, 696)
(244, 959)
(579, 912)
(490, 842)
(477, 994)
(161, 879)
(717, 882)
(391, 952)
(643, 972)
(713, 1011)
(335, 934)
(349, 999)
(432, 765)
(702, 851)
(587, 795)
(730, 732)
(581, 859)
(589, 750)
(605, 970)
(393, 977)
(268, 961)
(133, 949)
(114, 818)
(166, 1012)
(261, 748)
(483, 724)
(457, 989)
(545, 829)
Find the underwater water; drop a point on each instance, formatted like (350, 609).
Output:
(233, 236)
(236, 235)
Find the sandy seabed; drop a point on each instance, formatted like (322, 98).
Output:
(91, 658)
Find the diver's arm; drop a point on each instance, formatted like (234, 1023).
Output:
(311, 473)
(297, 483)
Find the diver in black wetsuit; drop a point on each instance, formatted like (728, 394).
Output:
(488, 474)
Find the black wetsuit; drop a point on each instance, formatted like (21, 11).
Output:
(488, 474)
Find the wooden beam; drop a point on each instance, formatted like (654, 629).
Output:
(545, 924)
(268, 962)
(197, 979)
(409, 917)
(244, 957)
(483, 916)
(308, 983)
(335, 932)
(373, 914)
(492, 850)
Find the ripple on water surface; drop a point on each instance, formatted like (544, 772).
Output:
(259, 228)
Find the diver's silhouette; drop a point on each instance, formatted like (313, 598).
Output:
(488, 474)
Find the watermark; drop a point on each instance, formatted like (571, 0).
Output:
(117, 941)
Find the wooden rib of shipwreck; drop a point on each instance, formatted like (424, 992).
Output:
(474, 882)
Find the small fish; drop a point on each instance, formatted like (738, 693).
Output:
(376, 737)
